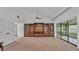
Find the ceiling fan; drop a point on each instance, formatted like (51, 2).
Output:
(38, 17)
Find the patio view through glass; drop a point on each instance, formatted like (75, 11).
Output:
(68, 31)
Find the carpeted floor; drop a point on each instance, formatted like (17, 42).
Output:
(40, 44)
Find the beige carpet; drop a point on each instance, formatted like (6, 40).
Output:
(40, 44)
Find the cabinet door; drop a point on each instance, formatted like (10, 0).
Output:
(46, 30)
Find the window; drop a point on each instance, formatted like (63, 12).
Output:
(68, 31)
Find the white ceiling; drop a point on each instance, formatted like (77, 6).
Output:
(29, 13)
(42, 11)
(45, 11)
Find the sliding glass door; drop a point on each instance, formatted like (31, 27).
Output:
(58, 30)
(68, 31)
(73, 31)
(64, 31)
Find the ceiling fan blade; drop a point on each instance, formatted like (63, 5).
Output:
(39, 17)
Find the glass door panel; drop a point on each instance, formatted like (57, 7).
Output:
(58, 31)
(73, 31)
(64, 31)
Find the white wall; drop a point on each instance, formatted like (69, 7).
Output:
(7, 23)
(20, 29)
(7, 26)
(55, 30)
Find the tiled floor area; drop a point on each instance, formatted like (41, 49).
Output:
(40, 44)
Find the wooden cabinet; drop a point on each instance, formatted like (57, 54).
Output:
(38, 30)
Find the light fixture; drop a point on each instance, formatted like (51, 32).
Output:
(38, 17)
